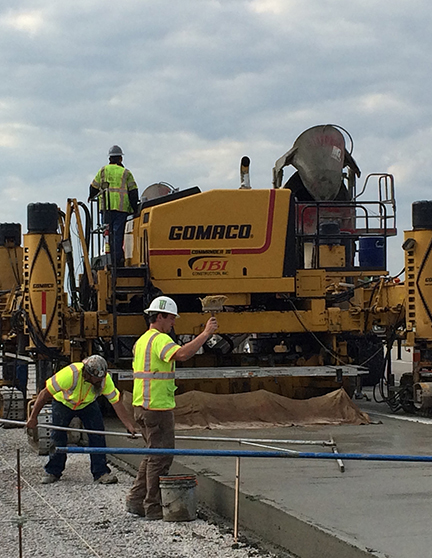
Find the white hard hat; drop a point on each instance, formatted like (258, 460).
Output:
(96, 366)
(162, 304)
(115, 151)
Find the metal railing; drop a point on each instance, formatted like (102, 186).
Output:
(238, 454)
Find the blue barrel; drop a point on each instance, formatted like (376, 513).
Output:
(372, 252)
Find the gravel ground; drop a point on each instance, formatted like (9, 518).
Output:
(76, 517)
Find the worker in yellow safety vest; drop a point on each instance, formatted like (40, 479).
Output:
(155, 354)
(73, 392)
(118, 199)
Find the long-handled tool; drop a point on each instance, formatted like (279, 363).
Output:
(67, 429)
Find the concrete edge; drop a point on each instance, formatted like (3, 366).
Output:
(260, 517)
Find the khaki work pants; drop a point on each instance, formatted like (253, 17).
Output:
(157, 428)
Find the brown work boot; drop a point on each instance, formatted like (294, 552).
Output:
(107, 478)
(154, 513)
(135, 507)
(49, 479)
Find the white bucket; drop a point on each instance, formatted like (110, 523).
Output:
(178, 493)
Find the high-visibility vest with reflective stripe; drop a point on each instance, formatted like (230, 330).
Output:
(154, 372)
(117, 181)
(69, 387)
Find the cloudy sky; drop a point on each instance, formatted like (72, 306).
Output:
(188, 87)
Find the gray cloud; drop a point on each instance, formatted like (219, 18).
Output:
(187, 88)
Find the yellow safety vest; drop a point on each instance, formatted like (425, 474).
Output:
(69, 387)
(154, 372)
(117, 182)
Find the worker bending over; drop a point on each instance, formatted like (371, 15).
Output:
(120, 198)
(155, 354)
(74, 391)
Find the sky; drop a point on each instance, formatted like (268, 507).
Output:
(187, 88)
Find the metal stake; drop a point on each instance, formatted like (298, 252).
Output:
(236, 499)
(19, 503)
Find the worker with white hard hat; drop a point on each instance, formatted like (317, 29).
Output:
(155, 354)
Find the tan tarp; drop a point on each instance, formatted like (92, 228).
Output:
(261, 409)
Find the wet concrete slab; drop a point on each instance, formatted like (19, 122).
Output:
(309, 507)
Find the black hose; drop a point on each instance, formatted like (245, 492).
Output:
(40, 347)
(85, 291)
(367, 310)
(312, 334)
(87, 224)
(394, 401)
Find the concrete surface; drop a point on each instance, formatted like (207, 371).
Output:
(309, 507)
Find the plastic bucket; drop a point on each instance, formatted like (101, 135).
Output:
(178, 493)
(371, 252)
